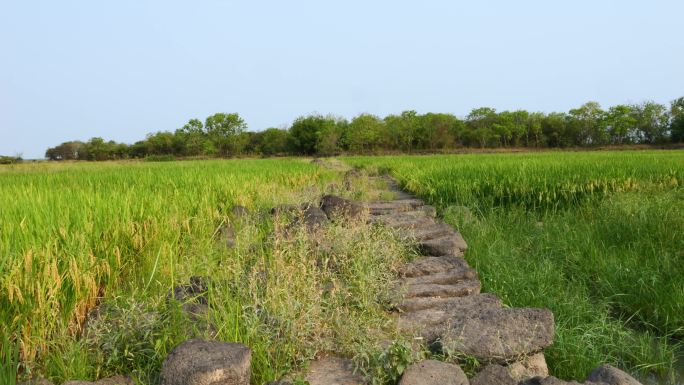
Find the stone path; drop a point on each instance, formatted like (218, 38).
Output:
(439, 304)
(440, 295)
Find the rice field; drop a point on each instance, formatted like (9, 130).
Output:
(120, 235)
(597, 237)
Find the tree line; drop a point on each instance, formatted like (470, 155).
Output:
(226, 134)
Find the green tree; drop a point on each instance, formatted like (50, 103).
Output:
(554, 128)
(402, 130)
(64, 151)
(585, 125)
(651, 122)
(160, 143)
(480, 123)
(365, 133)
(329, 136)
(620, 124)
(677, 120)
(534, 135)
(273, 141)
(97, 149)
(439, 130)
(307, 132)
(225, 132)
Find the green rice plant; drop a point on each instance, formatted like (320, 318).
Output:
(118, 236)
(71, 234)
(594, 236)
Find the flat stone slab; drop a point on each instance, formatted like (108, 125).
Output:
(410, 305)
(458, 289)
(452, 244)
(200, 362)
(398, 217)
(431, 372)
(333, 371)
(435, 315)
(438, 230)
(433, 265)
(499, 335)
(493, 375)
(528, 367)
(448, 277)
(404, 221)
(611, 376)
(335, 206)
(388, 207)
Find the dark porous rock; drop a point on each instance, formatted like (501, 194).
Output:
(611, 376)
(390, 207)
(196, 291)
(403, 221)
(493, 375)
(116, 380)
(333, 371)
(451, 244)
(433, 265)
(239, 211)
(429, 210)
(411, 305)
(447, 277)
(458, 289)
(314, 218)
(199, 362)
(227, 235)
(431, 372)
(435, 315)
(335, 206)
(550, 380)
(528, 367)
(499, 335)
(437, 230)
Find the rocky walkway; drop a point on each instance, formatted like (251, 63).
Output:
(439, 305)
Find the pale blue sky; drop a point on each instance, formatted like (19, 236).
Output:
(121, 69)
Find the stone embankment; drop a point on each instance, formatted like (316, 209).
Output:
(439, 305)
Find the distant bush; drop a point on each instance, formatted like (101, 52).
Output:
(160, 158)
(10, 159)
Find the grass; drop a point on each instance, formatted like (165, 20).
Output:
(117, 236)
(595, 237)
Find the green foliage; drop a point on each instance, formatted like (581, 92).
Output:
(365, 133)
(677, 124)
(10, 159)
(385, 366)
(226, 134)
(89, 233)
(131, 337)
(309, 134)
(595, 237)
(9, 356)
